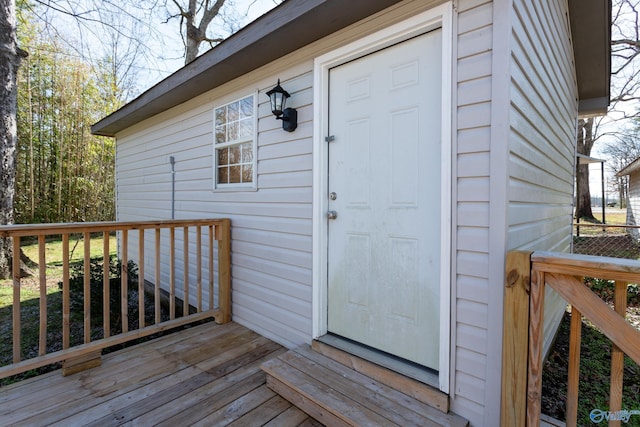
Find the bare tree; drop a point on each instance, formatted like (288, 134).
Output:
(10, 57)
(620, 152)
(194, 33)
(625, 93)
(206, 21)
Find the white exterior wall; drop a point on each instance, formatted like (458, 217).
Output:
(500, 147)
(534, 115)
(516, 121)
(543, 134)
(633, 208)
(471, 195)
(271, 227)
(542, 146)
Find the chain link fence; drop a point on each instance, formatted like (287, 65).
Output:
(618, 241)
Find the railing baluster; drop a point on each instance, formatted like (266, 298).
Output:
(185, 299)
(574, 367)
(199, 266)
(66, 305)
(106, 286)
(42, 273)
(124, 281)
(141, 305)
(156, 294)
(17, 335)
(86, 240)
(211, 275)
(172, 273)
(617, 356)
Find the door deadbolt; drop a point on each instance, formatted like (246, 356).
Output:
(333, 196)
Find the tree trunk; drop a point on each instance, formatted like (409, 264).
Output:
(585, 144)
(10, 57)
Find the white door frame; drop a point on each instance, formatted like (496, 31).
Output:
(438, 17)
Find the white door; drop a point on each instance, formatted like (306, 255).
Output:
(384, 185)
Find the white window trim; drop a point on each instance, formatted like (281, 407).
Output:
(242, 186)
(438, 17)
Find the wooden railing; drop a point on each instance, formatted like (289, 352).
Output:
(154, 251)
(527, 274)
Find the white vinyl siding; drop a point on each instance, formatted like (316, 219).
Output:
(543, 134)
(633, 209)
(271, 227)
(472, 189)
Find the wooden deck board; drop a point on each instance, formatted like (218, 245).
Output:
(208, 373)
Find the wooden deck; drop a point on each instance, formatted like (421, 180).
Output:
(207, 375)
(225, 375)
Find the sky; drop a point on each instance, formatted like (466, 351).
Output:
(172, 62)
(170, 47)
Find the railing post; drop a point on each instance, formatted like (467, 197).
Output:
(536, 323)
(223, 236)
(515, 339)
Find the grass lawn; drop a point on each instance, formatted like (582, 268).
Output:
(53, 257)
(612, 216)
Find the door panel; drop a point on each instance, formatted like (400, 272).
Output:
(384, 167)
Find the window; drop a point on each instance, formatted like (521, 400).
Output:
(234, 143)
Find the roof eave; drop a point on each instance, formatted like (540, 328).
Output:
(259, 43)
(269, 38)
(632, 167)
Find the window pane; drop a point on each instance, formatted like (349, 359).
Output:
(246, 107)
(221, 134)
(234, 155)
(247, 173)
(232, 112)
(247, 152)
(221, 116)
(235, 174)
(223, 175)
(232, 131)
(246, 129)
(223, 156)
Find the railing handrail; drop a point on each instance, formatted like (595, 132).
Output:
(587, 265)
(23, 230)
(218, 231)
(527, 274)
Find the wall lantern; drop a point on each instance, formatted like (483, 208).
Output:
(289, 116)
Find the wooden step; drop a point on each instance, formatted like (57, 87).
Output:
(416, 389)
(337, 395)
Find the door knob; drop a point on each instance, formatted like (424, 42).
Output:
(332, 215)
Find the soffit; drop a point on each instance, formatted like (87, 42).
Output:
(591, 34)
